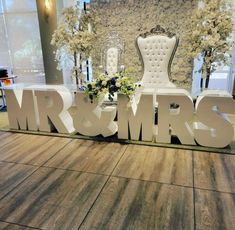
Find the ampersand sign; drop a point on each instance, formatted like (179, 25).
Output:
(92, 120)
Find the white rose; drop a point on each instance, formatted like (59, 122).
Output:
(104, 83)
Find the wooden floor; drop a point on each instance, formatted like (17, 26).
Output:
(61, 183)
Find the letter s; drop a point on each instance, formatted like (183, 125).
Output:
(213, 128)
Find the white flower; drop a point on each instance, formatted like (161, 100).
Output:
(71, 38)
(104, 82)
(209, 32)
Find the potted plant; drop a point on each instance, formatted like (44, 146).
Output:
(210, 35)
(74, 38)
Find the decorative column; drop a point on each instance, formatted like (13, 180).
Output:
(47, 17)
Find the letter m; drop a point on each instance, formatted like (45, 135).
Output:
(21, 109)
(136, 120)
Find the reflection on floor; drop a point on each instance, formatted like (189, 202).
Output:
(4, 126)
(62, 183)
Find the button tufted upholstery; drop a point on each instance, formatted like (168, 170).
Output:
(112, 60)
(156, 52)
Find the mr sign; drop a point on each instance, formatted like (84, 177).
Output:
(44, 108)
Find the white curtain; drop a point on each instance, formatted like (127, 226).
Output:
(20, 45)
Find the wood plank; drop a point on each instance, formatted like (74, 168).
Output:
(12, 174)
(7, 137)
(30, 149)
(173, 166)
(214, 171)
(214, 210)
(88, 156)
(6, 226)
(4, 123)
(133, 204)
(2, 134)
(52, 199)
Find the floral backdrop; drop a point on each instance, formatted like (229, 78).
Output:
(129, 18)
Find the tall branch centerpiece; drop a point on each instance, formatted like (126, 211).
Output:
(74, 39)
(210, 34)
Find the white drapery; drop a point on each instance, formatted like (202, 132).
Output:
(20, 45)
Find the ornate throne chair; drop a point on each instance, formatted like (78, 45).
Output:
(157, 49)
(112, 60)
(112, 53)
(112, 56)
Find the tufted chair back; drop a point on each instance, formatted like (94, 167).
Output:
(157, 49)
(112, 60)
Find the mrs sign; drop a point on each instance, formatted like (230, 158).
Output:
(44, 108)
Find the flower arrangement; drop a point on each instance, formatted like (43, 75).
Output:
(109, 84)
(209, 35)
(74, 38)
